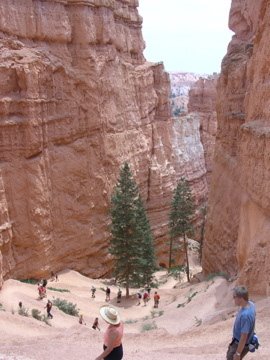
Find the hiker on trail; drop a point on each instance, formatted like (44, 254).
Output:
(56, 277)
(81, 320)
(148, 289)
(48, 306)
(108, 294)
(95, 324)
(119, 295)
(145, 297)
(156, 299)
(139, 296)
(41, 291)
(244, 325)
(20, 305)
(93, 291)
(113, 349)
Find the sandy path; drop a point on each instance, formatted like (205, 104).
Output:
(199, 329)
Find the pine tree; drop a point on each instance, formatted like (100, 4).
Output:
(182, 211)
(131, 242)
(147, 259)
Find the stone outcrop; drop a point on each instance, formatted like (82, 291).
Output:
(202, 102)
(195, 95)
(181, 83)
(237, 234)
(77, 99)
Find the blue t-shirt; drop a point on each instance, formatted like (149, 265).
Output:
(245, 322)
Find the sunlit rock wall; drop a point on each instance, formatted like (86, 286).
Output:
(237, 234)
(77, 99)
(202, 102)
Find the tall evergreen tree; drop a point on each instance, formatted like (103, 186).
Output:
(181, 213)
(147, 258)
(131, 242)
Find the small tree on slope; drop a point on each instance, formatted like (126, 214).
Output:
(131, 241)
(181, 213)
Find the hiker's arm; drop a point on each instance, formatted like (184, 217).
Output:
(109, 348)
(240, 347)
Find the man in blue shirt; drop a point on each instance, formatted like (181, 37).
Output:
(244, 325)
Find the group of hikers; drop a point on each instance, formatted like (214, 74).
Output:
(145, 296)
(141, 295)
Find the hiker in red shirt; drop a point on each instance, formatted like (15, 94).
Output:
(156, 299)
(145, 297)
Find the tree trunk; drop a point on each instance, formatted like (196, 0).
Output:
(203, 212)
(127, 290)
(186, 251)
(201, 240)
(170, 253)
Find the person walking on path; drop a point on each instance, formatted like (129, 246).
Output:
(119, 295)
(145, 297)
(113, 349)
(81, 320)
(156, 299)
(48, 306)
(139, 296)
(95, 324)
(93, 291)
(244, 324)
(108, 294)
(41, 290)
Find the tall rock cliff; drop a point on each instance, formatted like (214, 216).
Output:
(202, 103)
(77, 99)
(237, 234)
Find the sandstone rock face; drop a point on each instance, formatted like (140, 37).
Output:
(195, 130)
(237, 234)
(202, 102)
(181, 83)
(77, 99)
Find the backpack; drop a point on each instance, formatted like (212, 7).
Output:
(254, 343)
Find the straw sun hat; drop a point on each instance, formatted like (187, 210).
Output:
(109, 314)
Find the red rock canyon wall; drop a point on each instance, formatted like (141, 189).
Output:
(202, 102)
(237, 234)
(77, 99)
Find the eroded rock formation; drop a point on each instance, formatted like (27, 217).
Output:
(202, 102)
(181, 83)
(77, 99)
(237, 234)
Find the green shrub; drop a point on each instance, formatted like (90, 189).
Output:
(155, 313)
(67, 307)
(181, 305)
(191, 296)
(55, 289)
(23, 311)
(177, 272)
(149, 326)
(29, 281)
(131, 321)
(36, 314)
(198, 322)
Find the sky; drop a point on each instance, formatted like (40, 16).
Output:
(187, 35)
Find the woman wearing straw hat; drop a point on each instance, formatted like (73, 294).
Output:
(113, 349)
